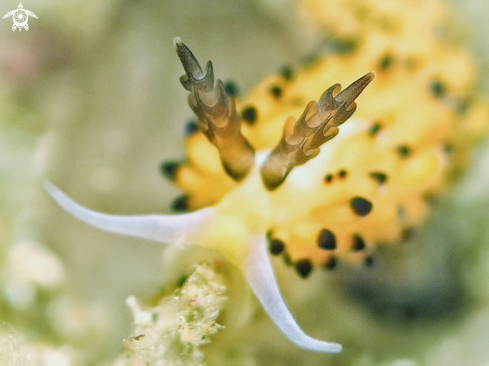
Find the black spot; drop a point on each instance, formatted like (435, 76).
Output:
(404, 151)
(375, 129)
(438, 89)
(190, 127)
(169, 169)
(407, 234)
(276, 91)
(369, 261)
(361, 206)
(231, 88)
(340, 46)
(276, 246)
(448, 149)
(326, 240)
(380, 177)
(401, 212)
(287, 72)
(310, 59)
(463, 107)
(331, 263)
(431, 198)
(386, 61)
(358, 243)
(249, 114)
(180, 204)
(328, 178)
(342, 174)
(303, 267)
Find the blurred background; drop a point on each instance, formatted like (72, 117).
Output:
(90, 99)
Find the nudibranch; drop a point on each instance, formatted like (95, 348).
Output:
(240, 226)
(267, 175)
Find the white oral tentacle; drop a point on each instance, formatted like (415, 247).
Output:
(160, 228)
(261, 277)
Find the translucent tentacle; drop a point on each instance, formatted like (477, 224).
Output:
(160, 228)
(261, 277)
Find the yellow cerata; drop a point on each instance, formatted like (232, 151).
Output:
(267, 175)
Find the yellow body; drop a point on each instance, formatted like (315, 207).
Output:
(414, 126)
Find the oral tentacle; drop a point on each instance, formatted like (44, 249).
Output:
(160, 228)
(261, 278)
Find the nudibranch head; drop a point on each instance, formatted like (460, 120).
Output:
(262, 200)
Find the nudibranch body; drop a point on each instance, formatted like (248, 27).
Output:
(259, 180)
(239, 225)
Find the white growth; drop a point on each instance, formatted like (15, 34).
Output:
(12, 351)
(173, 331)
